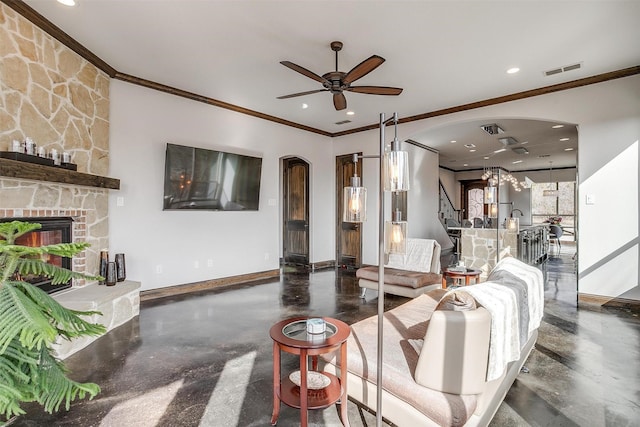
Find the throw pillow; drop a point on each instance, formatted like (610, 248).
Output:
(457, 301)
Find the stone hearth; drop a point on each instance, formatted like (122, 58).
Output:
(118, 304)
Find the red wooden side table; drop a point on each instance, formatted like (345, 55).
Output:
(291, 337)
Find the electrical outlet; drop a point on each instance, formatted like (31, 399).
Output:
(209, 263)
(196, 264)
(266, 256)
(119, 201)
(158, 269)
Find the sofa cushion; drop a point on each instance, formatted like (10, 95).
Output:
(456, 301)
(395, 276)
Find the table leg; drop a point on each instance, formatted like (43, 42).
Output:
(343, 385)
(467, 280)
(314, 363)
(276, 384)
(303, 388)
(444, 282)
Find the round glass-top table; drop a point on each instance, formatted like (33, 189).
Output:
(291, 336)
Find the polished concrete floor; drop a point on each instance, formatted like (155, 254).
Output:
(206, 359)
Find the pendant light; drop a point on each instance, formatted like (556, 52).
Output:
(395, 234)
(550, 193)
(354, 199)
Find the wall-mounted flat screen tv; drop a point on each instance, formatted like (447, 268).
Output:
(195, 178)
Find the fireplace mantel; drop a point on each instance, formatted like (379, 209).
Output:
(24, 170)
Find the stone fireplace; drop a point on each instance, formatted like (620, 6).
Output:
(53, 231)
(87, 207)
(52, 95)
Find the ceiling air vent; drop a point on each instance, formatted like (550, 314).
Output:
(343, 122)
(508, 141)
(520, 150)
(542, 156)
(492, 129)
(563, 69)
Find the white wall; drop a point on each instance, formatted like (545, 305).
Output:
(142, 122)
(423, 198)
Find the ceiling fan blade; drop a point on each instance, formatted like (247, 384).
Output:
(376, 90)
(304, 71)
(363, 68)
(309, 92)
(339, 101)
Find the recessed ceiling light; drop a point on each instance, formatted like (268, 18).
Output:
(564, 139)
(453, 141)
(466, 164)
(486, 157)
(516, 162)
(513, 70)
(472, 150)
(305, 106)
(557, 126)
(350, 113)
(67, 2)
(500, 150)
(568, 149)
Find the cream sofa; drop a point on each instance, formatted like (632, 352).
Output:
(407, 275)
(444, 367)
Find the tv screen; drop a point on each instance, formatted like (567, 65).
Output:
(195, 178)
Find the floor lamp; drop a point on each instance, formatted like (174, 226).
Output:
(392, 235)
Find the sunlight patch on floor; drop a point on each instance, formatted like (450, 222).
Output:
(148, 408)
(227, 398)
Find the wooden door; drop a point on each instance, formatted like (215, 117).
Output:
(296, 211)
(348, 234)
(473, 194)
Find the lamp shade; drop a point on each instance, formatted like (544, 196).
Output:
(489, 195)
(493, 210)
(354, 202)
(396, 171)
(513, 224)
(395, 237)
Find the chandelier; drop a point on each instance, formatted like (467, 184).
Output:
(495, 179)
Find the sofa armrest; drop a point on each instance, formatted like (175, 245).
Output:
(455, 353)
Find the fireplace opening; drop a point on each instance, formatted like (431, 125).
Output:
(54, 230)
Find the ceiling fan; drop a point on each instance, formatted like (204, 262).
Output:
(337, 81)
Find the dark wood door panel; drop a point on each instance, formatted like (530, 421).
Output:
(348, 235)
(296, 211)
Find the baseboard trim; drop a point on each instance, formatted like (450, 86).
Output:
(323, 265)
(608, 301)
(168, 291)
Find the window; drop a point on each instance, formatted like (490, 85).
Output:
(563, 206)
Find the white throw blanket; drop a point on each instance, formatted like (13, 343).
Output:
(418, 257)
(504, 345)
(532, 276)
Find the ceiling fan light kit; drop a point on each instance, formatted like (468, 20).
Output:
(337, 81)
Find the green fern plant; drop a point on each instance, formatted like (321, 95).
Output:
(31, 321)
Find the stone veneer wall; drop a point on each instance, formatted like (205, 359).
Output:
(478, 247)
(61, 101)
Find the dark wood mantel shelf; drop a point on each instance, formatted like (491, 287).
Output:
(25, 170)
